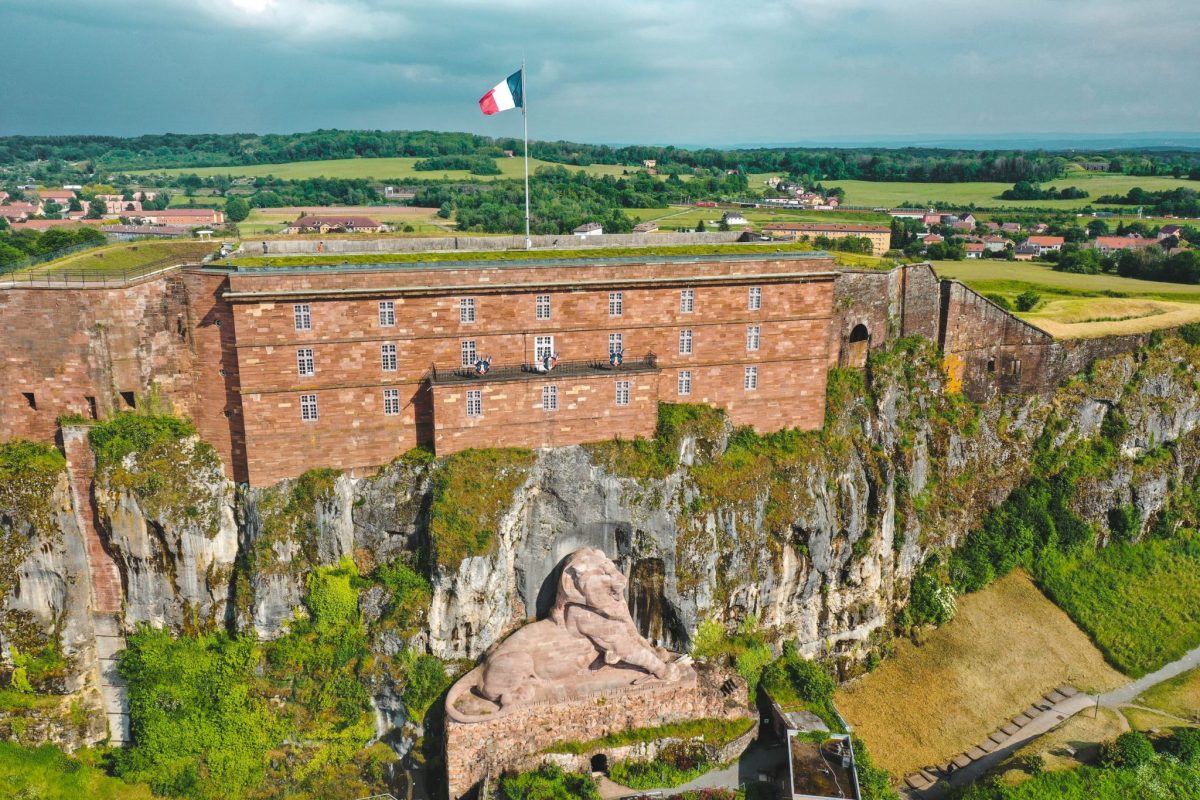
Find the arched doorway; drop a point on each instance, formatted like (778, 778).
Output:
(855, 352)
(600, 763)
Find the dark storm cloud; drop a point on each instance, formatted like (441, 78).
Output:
(686, 71)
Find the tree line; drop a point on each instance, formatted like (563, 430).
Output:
(88, 154)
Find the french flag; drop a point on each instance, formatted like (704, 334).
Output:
(504, 95)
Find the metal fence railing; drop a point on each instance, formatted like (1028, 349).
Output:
(92, 278)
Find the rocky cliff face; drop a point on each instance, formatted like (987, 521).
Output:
(815, 535)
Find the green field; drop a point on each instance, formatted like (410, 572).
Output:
(1007, 277)
(383, 169)
(876, 194)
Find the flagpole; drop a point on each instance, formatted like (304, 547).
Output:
(525, 119)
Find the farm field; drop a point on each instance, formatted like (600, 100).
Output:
(1016, 276)
(122, 257)
(878, 194)
(1007, 645)
(1088, 318)
(378, 169)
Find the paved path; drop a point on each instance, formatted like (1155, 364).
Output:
(1060, 712)
(758, 758)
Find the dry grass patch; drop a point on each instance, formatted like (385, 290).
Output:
(1142, 719)
(1094, 317)
(1076, 741)
(1007, 646)
(1179, 696)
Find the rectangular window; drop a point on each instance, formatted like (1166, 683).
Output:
(685, 381)
(616, 343)
(469, 354)
(753, 337)
(751, 382)
(474, 403)
(543, 306)
(302, 315)
(754, 300)
(549, 398)
(687, 301)
(616, 304)
(466, 309)
(391, 402)
(622, 393)
(387, 313)
(685, 343)
(387, 355)
(543, 346)
(308, 407)
(306, 363)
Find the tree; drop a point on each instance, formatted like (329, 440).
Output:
(10, 255)
(1027, 300)
(237, 209)
(97, 209)
(1097, 227)
(700, 226)
(1130, 750)
(74, 205)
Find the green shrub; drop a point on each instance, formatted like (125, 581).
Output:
(1028, 300)
(677, 763)
(46, 773)
(746, 650)
(29, 472)
(1190, 333)
(129, 432)
(410, 594)
(1000, 300)
(425, 682)
(931, 598)
(548, 783)
(1130, 750)
(793, 682)
(715, 731)
(332, 599)
(1184, 744)
(471, 490)
(655, 458)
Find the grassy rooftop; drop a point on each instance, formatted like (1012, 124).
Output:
(120, 258)
(543, 255)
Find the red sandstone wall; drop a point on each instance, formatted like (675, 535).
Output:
(64, 345)
(353, 432)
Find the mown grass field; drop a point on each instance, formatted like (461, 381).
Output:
(382, 169)
(1081, 306)
(1136, 601)
(879, 194)
(1005, 648)
(122, 257)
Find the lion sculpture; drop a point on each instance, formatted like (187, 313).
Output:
(589, 628)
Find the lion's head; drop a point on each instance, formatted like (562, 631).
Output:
(590, 578)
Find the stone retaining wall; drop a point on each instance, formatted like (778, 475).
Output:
(475, 750)
(642, 751)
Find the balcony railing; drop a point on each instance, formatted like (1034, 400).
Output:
(525, 371)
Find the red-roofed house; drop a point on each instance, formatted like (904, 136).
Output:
(974, 249)
(932, 238)
(312, 223)
(962, 225)
(1011, 227)
(1045, 244)
(43, 224)
(1114, 244)
(880, 236)
(995, 244)
(60, 196)
(18, 211)
(181, 216)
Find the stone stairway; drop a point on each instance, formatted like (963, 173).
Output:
(106, 583)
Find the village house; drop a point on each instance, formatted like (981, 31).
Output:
(1011, 227)
(19, 210)
(1026, 252)
(316, 223)
(908, 213)
(962, 225)
(121, 208)
(1170, 230)
(589, 229)
(732, 218)
(1105, 245)
(1045, 244)
(880, 236)
(645, 227)
(182, 216)
(932, 238)
(60, 196)
(974, 249)
(650, 163)
(967, 217)
(995, 244)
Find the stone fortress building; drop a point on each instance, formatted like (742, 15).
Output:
(284, 369)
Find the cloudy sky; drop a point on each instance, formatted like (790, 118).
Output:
(684, 71)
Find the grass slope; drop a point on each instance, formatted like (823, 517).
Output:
(1154, 584)
(122, 257)
(46, 773)
(1007, 646)
(1179, 696)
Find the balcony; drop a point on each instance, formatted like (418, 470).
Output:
(529, 372)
